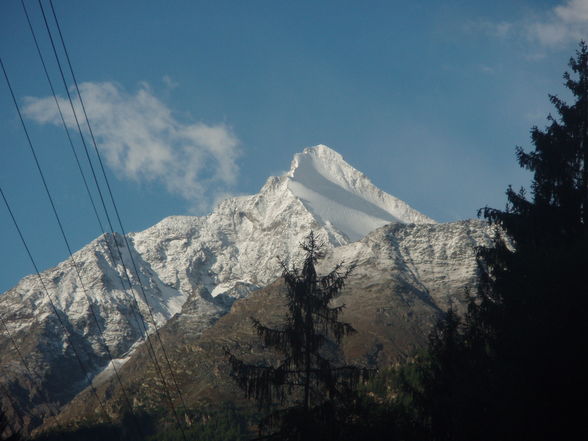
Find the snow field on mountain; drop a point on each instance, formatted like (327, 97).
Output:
(198, 266)
(339, 195)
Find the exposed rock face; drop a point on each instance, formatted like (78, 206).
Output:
(405, 276)
(192, 269)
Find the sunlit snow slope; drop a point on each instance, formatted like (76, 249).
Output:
(342, 197)
(190, 266)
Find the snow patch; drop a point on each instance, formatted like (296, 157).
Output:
(109, 370)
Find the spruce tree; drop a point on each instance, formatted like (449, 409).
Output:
(520, 352)
(534, 292)
(305, 379)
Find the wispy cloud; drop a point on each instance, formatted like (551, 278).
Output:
(487, 69)
(564, 23)
(169, 82)
(142, 140)
(558, 26)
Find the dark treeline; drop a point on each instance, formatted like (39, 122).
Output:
(225, 422)
(513, 368)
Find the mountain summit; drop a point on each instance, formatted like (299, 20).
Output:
(341, 197)
(194, 268)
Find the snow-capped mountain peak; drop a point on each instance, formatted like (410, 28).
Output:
(194, 268)
(343, 198)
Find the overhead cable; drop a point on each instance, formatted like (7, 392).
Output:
(113, 200)
(67, 333)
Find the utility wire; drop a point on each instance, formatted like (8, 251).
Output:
(91, 166)
(136, 311)
(61, 113)
(69, 249)
(158, 368)
(116, 210)
(67, 333)
(13, 341)
(30, 375)
(112, 198)
(94, 174)
(16, 411)
(101, 226)
(100, 329)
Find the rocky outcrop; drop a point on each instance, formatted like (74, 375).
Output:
(405, 276)
(190, 271)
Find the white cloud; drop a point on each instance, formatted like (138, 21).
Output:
(143, 141)
(575, 11)
(564, 23)
(558, 26)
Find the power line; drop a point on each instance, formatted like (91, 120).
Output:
(101, 227)
(61, 113)
(150, 345)
(16, 411)
(21, 356)
(67, 244)
(67, 333)
(112, 198)
(30, 376)
(118, 216)
(136, 311)
(100, 329)
(93, 171)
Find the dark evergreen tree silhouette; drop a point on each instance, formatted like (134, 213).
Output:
(315, 389)
(445, 393)
(534, 292)
(516, 367)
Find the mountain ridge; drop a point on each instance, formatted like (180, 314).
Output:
(193, 268)
(392, 298)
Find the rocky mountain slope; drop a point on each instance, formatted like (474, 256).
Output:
(192, 269)
(405, 276)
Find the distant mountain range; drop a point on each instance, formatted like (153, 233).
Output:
(199, 279)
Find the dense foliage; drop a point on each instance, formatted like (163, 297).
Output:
(222, 423)
(515, 366)
(226, 423)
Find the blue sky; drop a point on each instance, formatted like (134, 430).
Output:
(193, 100)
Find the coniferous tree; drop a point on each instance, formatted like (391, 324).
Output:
(320, 387)
(534, 292)
(522, 346)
